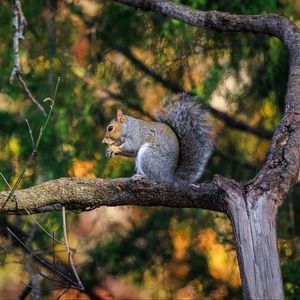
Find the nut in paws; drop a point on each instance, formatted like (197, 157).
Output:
(110, 153)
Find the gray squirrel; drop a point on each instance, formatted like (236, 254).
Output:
(175, 148)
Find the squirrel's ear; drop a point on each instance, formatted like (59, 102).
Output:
(120, 116)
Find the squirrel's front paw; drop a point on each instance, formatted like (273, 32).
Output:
(109, 153)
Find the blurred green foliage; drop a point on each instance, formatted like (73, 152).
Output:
(101, 50)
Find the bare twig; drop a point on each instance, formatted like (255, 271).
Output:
(3, 177)
(70, 259)
(5, 231)
(29, 94)
(35, 149)
(30, 133)
(19, 24)
(44, 262)
(58, 280)
(43, 229)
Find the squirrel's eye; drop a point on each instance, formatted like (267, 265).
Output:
(110, 128)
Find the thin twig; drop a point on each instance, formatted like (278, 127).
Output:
(30, 133)
(29, 94)
(70, 259)
(42, 228)
(45, 263)
(53, 250)
(3, 177)
(34, 151)
(58, 281)
(20, 177)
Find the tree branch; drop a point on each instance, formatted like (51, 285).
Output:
(271, 24)
(85, 194)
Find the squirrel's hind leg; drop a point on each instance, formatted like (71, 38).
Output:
(153, 165)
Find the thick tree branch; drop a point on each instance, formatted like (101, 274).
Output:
(84, 194)
(271, 24)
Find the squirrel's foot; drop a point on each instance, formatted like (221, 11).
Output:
(137, 177)
(113, 150)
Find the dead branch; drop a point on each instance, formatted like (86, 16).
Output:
(28, 92)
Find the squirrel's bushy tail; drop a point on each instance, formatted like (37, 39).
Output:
(185, 116)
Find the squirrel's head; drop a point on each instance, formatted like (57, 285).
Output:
(114, 129)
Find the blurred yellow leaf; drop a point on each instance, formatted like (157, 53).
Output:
(83, 168)
(222, 261)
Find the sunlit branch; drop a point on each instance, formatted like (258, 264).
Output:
(88, 193)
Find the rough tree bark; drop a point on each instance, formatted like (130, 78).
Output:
(252, 207)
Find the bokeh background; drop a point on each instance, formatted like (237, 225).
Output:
(110, 56)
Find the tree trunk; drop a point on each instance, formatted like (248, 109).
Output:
(253, 219)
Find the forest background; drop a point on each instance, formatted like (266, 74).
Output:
(110, 56)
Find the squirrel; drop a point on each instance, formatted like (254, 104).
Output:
(174, 148)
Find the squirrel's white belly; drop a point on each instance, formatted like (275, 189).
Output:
(138, 161)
